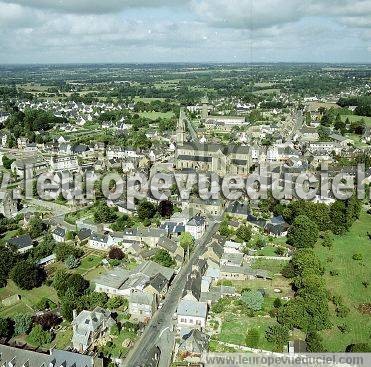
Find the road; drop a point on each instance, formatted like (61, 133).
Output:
(158, 332)
(298, 123)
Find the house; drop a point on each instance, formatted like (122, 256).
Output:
(277, 227)
(150, 236)
(46, 260)
(16, 357)
(22, 243)
(8, 205)
(59, 234)
(232, 247)
(238, 210)
(215, 293)
(83, 235)
(101, 242)
(121, 282)
(69, 163)
(242, 273)
(142, 306)
(193, 342)
(192, 289)
(214, 252)
(176, 251)
(191, 314)
(231, 259)
(196, 227)
(157, 285)
(89, 326)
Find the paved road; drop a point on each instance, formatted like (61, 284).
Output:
(298, 123)
(158, 331)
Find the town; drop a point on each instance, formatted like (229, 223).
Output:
(91, 281)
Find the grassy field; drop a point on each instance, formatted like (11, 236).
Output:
(146, 100)
(353, 118)
(272, 266)
(278, 282)
(267, 91)
(28, 298)
(235, 327)
(152, 115)
(348, 283)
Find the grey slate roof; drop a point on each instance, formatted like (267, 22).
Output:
(57, 358)
(21, 242)
(192, 308)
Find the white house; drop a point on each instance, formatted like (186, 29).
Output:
(191, 314)
(196, 226)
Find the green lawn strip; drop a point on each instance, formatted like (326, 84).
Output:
(348, 283)
(272, 266)
(153, 115)
(353, 118)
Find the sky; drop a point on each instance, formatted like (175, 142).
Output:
(148, 31)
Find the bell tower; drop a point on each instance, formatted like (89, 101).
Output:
(180, 129)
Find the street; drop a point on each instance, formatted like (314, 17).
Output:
(158, 332)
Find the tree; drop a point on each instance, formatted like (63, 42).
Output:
(27, 275)
(104, 214)
(36, 226)
(146, 210)
(5, 327)
(302, 233)
(7, 162)
(116, 253)
(122, 223)
(338, 217)
(116, 302)
(305, 260)
(328, 240)
(97, 299)
(39, 337)
(163, 258)
(278, 335)
(277, 303)
(71, 262)
(186, 241)
(358, 348)
(47, 320)
(22, 324)
(253, 300)
(252, 338)
(314, 342)
(8, 259)
(244, 233)
(64, 250)
(165, 208)
(224, 229)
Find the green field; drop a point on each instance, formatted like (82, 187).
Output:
(348, 283)
(28, 298)
(152, 115)
(353, 118)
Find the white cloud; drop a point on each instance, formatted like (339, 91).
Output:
(92, 6)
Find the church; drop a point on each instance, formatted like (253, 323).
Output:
(217, 158)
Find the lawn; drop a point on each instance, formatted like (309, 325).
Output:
(28, 298)
(88, 263)
(63, 337)
(353, 118)
(152, 115)
(278, 282)
(273, 266)
(235, 327)
(348, 283)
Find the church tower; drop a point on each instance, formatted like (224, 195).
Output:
(180, 130)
